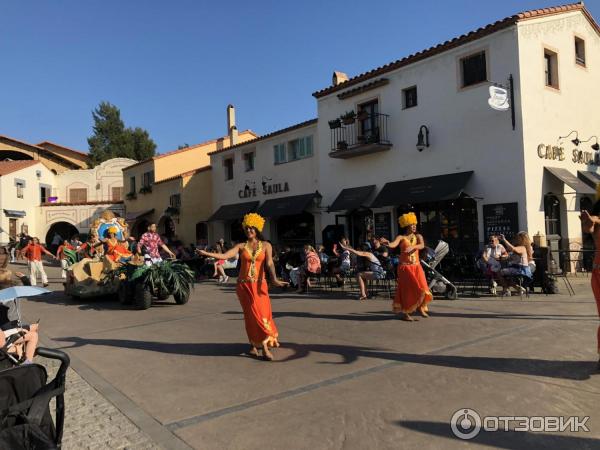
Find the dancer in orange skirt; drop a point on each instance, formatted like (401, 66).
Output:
(412, 292)
(590, 223)
(256, 257)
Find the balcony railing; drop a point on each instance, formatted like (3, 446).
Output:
(361, 135)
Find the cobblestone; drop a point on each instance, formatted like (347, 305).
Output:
(91, 421)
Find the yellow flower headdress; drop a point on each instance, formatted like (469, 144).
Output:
(254, 220)
(113, 230)
(407, 219)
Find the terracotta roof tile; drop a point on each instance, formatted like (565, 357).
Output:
(266, 136)
(42, 149)
(7, 167)
(458, 41)
(80, 153)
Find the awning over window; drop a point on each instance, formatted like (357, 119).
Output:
(422, 190)
(133, 216)
(286, 206)
(570, 180)
(590, 178)
(14, 213)
(352, 198)
(235, 211)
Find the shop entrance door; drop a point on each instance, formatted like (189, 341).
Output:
(552, 218)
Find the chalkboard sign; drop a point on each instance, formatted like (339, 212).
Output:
(501, 218)
(383, 225)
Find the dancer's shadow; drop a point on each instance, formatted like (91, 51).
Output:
(514, 440)
(569, 370)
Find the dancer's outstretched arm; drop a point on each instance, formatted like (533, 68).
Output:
(231, 253)
(588, 221)
(271, 267)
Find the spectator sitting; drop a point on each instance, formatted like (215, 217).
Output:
(523, 252)
(311, 266)
(493, 253)
(218, 264)
(345, 263)
(374, 270)
(4, 257)
(15, 338)
(180, 251)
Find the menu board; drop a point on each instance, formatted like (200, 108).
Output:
(501, 218)
(383, 225)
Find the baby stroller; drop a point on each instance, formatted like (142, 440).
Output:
(25, 419)
(438, 283)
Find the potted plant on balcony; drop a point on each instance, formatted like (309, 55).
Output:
(362, 115)
(335, 123)
(348, 118)
(146, 189)
(131, 196)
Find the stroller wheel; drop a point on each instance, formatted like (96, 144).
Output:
(451, 293)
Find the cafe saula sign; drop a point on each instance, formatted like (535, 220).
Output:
(267, 189)
(556, 153)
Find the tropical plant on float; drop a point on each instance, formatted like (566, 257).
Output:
(171, 277)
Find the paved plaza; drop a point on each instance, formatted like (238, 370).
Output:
(348, 375)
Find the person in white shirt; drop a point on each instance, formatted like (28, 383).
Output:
(493, 253)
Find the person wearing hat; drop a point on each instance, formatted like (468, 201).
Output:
(115, 249)
(256, 257)
(412, 292)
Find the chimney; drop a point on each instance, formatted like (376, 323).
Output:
(338, 78)
(232, 130)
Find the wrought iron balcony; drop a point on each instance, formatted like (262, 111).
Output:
(360, 135)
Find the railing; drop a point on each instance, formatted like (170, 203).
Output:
(359, 135)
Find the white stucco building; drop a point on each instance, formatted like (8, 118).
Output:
(480, 170)
(47, 188)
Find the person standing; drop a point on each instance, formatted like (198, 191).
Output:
(62, 257)
(256, 256)
(590, 223)
(412, 292)
(33, 253)
(152, 242)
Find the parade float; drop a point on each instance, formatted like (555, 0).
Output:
(104, 266)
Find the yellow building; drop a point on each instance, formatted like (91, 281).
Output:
(174, 189)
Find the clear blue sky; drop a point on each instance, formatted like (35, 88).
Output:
(172, 66)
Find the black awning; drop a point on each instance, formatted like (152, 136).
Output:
(14, 213)
(286, 206)
(235, 211)
(590, 178)
(422, 190)
(352, 198)
(133, 216)
(570, 180)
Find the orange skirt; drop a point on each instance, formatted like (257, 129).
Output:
(412, 291)
(258, 317)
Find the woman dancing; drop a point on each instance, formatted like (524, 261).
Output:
(412, 292)
(256, 256)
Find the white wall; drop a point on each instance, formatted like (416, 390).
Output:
(301, 175)
(98, 181)
(549, 113)
(465, 133)
(30, 202)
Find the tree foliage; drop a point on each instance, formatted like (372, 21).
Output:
(111, 139)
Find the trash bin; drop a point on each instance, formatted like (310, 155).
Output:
(554, 260)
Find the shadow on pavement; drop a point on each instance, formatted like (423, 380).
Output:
(569, 370)
(504, 439)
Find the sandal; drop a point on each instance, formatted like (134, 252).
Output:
(362, 299)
